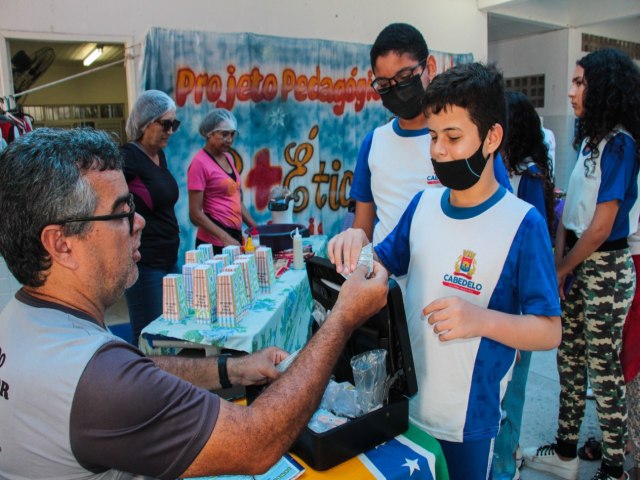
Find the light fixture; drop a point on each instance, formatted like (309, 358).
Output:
(95, 53)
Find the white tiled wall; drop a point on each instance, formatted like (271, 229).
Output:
(8, 284)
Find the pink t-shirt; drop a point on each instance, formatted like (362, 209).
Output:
(221, 193)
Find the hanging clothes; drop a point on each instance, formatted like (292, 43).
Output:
(23, 121)
(8, 129)
(14, 123)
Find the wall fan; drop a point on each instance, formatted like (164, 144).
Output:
(27, 69)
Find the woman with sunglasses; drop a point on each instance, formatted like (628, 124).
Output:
(215, 196)
(150, 125)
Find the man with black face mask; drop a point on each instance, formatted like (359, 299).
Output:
(394, 161)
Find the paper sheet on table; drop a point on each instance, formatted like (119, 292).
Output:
(286, 469)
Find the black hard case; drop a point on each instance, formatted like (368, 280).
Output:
(388, 330)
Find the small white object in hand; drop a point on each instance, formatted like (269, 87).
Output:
(365, 258)
(283, 365)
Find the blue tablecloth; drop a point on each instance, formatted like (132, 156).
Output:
(281, 318)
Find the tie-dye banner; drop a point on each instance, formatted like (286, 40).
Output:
(303, 108)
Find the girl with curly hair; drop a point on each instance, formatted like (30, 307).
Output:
(595, 270)
(526, 158)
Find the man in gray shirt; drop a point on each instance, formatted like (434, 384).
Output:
(76, 401)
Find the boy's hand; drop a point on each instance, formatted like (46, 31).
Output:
(453, 317)
(344, 249)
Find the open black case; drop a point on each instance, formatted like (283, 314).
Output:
(387, 329)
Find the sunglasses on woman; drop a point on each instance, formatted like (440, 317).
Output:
(168, 124)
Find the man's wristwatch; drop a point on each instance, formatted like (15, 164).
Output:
(223, 375)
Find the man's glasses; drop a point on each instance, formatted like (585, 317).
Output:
(402, 78)
(104, 218)
(169, 124)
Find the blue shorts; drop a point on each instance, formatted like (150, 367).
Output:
(470, 460)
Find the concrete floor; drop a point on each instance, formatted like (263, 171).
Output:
(540, 415)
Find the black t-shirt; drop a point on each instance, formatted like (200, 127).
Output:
(155, 193)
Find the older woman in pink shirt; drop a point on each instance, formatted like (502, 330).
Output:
(215, 195)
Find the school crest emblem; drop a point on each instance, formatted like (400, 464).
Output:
(463, 271)
(466, 264)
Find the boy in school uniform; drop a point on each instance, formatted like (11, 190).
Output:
(481, 281)
(394, 162)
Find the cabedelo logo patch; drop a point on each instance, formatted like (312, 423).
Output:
(463, 271)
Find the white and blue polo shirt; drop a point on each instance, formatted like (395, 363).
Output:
(610, 174)
(496, 255)
(393, 165)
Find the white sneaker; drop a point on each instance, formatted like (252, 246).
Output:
(545, 459)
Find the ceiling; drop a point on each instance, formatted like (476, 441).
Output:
(70, 54)
(502, 27)
(517, 18)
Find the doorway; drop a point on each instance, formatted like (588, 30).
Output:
(55, 88)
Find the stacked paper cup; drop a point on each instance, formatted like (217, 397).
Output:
(224, 257)
(238, 285)
(229, 299)
(194, 256)
(266, 272)
(233, 251)
(204, 294)
(251, 278)
(174, 301)
(217, 264)
(207, 248)
(187, 275)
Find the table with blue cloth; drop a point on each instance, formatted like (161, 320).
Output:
(280, 318)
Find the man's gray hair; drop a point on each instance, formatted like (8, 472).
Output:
(42, 180)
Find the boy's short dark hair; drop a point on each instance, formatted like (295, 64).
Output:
(475, 87)
(399, 38)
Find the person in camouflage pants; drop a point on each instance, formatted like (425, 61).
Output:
(630, 359)
(595, 271)
(592, 319)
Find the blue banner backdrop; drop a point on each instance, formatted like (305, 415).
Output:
(303, 108)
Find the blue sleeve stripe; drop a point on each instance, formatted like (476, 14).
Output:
(394, 251)
(361, 187)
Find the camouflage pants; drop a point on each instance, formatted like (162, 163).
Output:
(633, 405)
(593, 315)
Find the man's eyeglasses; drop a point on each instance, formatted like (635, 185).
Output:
(402, 78)
(169, 124)
(104, 218)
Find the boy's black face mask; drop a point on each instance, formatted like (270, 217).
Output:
(461, 174)
(405, 101)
